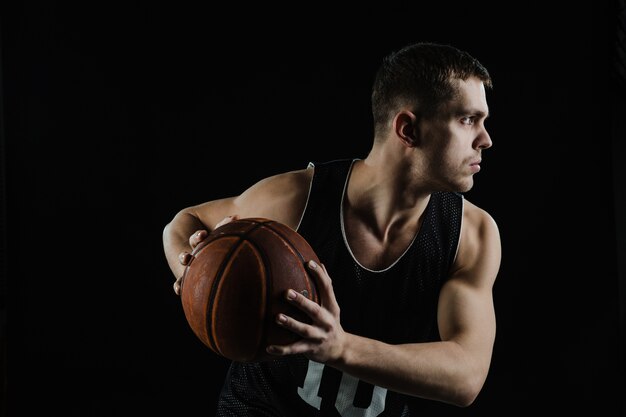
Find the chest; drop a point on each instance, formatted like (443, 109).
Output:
(377, 251)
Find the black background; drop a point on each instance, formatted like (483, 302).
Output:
(115, 116)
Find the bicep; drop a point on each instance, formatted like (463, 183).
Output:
(466, 312)
(466, 316)
(211, 212)
(281, 197)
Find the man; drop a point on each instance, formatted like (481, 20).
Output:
(407, 264)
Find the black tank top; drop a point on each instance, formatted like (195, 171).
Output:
(395, 305)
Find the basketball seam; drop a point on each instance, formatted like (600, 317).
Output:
(218, 277)
(268, 291)
(269, 224)
(242, 238)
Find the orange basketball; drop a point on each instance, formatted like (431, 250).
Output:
(235, 285)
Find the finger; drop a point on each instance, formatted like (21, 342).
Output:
(294, 348)
(184, 258)
(310, 307)
(327, 293)
(197, 237)
(227, 219)
(177, 287)
(301, 329)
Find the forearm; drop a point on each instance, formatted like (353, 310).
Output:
(440, 371)
(176, 239)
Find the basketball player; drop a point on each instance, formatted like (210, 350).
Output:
(408, 265)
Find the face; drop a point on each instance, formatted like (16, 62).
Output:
(454, 140)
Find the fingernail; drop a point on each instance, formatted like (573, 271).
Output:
(291, 294)
(312, 264)
(282, 318)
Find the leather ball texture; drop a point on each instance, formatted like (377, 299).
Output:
(235, 285)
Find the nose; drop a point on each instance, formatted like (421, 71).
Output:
(483, 140)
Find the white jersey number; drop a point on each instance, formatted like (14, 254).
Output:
(345, 396)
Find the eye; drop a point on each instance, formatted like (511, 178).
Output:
(468, 120)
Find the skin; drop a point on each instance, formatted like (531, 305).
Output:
(387, 194)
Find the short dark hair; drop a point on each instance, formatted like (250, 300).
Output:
(420, 74)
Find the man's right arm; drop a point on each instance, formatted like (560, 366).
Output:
(176, 239)
(281, 197)
(190, 226)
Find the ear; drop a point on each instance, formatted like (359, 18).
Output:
(406, 129)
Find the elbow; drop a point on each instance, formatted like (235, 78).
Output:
(166, 230)
(466, 390)
(465, 399)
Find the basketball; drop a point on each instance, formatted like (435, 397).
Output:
(235, 284)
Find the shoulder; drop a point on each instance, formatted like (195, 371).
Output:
(478, 220)
(290, 179)
(281, 197)
(280, 185)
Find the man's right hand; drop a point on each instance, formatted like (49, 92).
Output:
(185, 257)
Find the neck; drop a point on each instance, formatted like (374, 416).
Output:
(382, 194)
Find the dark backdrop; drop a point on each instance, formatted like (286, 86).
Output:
(115, 116)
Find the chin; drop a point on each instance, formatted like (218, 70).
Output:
(458, 185)
(464, 186)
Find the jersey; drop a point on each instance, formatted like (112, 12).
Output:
(395, 305)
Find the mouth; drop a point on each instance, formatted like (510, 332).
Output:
(475, 165)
